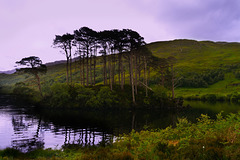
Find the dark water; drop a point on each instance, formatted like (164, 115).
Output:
(26, 128)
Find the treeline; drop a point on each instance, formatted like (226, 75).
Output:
(125, 59)
(115, 58)
(201, 80)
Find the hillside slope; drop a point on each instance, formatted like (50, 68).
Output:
(193, 57)
(198, 55)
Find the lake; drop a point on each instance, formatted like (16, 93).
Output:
(27, 128)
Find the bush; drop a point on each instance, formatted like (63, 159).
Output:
(237, 74)
(106, 97)
(63, 95)
(221, 98)
(235, 97)
(60, 95)
(10, 152)
(85, 96)
(202, 80)
(211, 97)
(26, 94)
(159, 92)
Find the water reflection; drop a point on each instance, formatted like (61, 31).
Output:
(26, 133)
(26, 128)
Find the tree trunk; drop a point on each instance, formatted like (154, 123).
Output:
(70, 55)
(104, 70)
(132, 80)
(83, 70)
(113, 69)
(136, 73)
(94, 67)
(122, 78)
(130, 70)
(90, 72)
(139, 68)
(39, 84)
(70, 70)
(87, 71)
(133, 119)
(173, 95)
(119, 68)
(80, 67)
(148, 76)
(110, 71)
(67, 70)
(145, 76)
(94, 71)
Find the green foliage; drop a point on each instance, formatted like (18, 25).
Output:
(200, 64)
(26, 94)
(63, 95)
(159, 92)
(60, 95)
(209, 97)
(86, 96)
(201, 80)
(235, 97)
(106, 97)
(237, 74)
(10, 152)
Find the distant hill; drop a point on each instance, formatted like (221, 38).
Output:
(55, 63)
(9, 71)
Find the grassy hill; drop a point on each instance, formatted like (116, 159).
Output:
(198, 56)
(194, 59)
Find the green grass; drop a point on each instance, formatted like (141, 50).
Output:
(221, 88)
(192, 57)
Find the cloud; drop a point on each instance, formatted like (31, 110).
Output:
(197, 19)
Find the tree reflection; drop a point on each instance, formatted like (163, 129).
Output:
(85, 137)
(39, 129)
(22, 126)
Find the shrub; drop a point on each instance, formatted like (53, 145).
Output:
(106, 97)
(159, 92)
(202, 80)
(85, 96)
(211, 97)
(60, 95)
(25, 93)
(10, 152)
(235, 97)
(221, 98)
(237, 74)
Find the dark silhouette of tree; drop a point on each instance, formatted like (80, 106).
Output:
(161, 65)
(145, 58)
(86, 38)
(120, 45)
(172, 61)
(135, 41)
(103, 41)
(65, 42)
(113, 45)
(34, 67)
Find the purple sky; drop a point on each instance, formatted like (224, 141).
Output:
(28, 27)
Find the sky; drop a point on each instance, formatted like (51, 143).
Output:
(28, 27)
